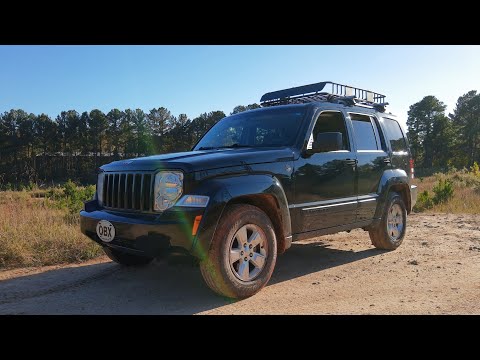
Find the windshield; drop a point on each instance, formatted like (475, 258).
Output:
(272, 127)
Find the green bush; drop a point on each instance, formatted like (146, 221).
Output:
(424, 202)
(466, 179)
(7, 187)
(451, 170)
(443, 191)
(18, 186)
(475, 169)
(70, 196)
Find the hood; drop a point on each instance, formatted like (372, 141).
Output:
(190, 161)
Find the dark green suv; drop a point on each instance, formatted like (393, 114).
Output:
(308, 163)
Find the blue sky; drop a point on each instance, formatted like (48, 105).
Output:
(197, 79)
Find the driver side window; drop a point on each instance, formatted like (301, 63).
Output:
(330, 121)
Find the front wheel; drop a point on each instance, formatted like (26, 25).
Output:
(243, 253)
(389, 234)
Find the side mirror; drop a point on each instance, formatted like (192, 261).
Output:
(327, 141)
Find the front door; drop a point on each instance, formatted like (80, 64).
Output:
(325, 182)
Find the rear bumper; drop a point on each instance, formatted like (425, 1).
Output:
(413, 195)
(143, 234)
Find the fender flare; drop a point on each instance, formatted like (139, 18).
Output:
(392, 179)
(227, 189)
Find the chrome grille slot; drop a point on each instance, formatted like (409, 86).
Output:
(131, 191)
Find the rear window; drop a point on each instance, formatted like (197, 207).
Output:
(395, 135)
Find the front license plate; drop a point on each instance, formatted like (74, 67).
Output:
(105, 230)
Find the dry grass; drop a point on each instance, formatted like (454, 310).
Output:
(35, 234)
(466, 198)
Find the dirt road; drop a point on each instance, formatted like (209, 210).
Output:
(435, 271)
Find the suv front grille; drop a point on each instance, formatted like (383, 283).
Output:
(128, 191)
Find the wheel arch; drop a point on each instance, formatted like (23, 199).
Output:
(404, 192)
(262, 191)
(393, 180)
(268, 203)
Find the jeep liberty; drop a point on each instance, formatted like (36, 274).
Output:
(308, 163)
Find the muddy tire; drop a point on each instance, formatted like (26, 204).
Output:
(242, 254)
(126, 259)
(390, 232)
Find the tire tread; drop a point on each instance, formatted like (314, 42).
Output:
(211, 267)
(378, 234)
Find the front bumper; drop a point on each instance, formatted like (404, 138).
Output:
(143, 234)
(413, 195)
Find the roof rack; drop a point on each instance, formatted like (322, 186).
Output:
(344, 94)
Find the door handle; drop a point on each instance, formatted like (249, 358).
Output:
(352, 162)
(387, 160)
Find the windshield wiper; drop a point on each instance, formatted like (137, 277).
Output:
(224, 147)
(233, 146)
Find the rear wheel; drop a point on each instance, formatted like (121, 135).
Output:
(126, 259)
(243, 253)
(389, 234)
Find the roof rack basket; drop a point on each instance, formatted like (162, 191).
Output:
(339, 93)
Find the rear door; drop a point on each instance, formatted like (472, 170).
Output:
(373, 160)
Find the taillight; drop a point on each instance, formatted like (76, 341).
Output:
(412, 170)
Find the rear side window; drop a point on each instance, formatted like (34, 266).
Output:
(395, 135)
(364, 130)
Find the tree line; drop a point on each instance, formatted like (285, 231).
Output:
(445, 141)
(39, 149)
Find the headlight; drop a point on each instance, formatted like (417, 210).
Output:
(100, 178)
(168, 189)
